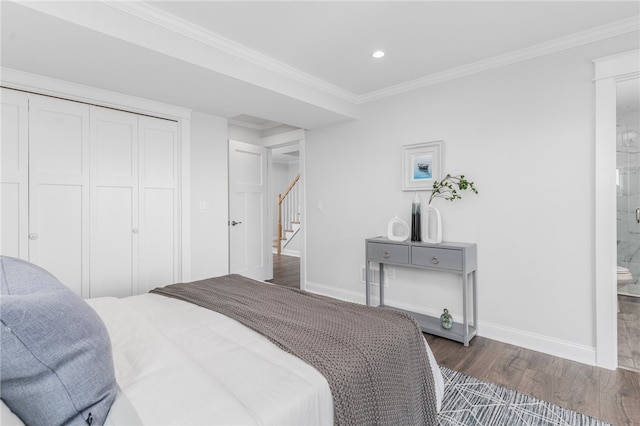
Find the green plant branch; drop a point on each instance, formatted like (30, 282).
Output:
(450, 187)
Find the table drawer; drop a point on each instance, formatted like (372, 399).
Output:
(388, 253)
(439, 258)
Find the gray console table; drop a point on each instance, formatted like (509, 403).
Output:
(458, 258)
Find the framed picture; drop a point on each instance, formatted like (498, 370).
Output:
(422, 164)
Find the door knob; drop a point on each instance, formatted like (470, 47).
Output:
(33, 236)
(234, 223)
(638, 215)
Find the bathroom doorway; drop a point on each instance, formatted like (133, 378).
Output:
(628, 222)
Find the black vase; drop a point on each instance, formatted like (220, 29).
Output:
(415, 219)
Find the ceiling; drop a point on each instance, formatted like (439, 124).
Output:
(304, 64)
(334, 40)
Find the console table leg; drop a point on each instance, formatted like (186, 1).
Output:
(475, 301)
(367, 281)
(381, 269)
(465, 318)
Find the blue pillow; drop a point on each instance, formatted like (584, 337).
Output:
(56, 365)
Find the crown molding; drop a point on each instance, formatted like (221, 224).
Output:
(574, 40)
(188, 29)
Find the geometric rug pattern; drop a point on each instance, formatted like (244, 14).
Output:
(471, 402)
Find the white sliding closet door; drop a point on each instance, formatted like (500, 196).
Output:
(158, 150)
(89, 193)
(114, 203)
(59, 189)
(14, 160)
(133, 203)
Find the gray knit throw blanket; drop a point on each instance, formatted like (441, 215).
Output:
(374, 359)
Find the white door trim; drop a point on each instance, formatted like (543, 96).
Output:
(282, 139)
(609, 71)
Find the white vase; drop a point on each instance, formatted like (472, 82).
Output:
(397, 229)
(431, 225)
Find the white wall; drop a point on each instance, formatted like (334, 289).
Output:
(209, 185)
(525, 134)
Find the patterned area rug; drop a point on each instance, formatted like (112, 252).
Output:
(472, 402)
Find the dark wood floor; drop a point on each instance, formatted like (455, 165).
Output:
(286, 270)
(611, 396)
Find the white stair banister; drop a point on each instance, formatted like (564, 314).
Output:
(288, 212)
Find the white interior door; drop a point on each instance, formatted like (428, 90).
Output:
(14, 163)
(114, 203)
(249, 241)
(59, 189)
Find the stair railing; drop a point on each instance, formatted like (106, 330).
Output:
(288, 211)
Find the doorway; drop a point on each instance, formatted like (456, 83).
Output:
(282, 143)
(628, 222)
(286, 199)
(286, 270)
(609, 72)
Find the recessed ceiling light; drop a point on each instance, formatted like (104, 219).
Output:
(378, 54)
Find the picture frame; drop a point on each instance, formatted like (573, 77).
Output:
(422, 164)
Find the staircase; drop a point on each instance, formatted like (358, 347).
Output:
(288, 215)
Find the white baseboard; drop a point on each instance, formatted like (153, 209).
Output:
(533, 341)
(338, 293)
(286, 252)
(537, 342)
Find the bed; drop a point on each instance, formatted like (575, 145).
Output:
(176, 362)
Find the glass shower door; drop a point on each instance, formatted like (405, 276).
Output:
(628, 200)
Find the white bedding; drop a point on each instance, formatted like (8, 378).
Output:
(177, 363)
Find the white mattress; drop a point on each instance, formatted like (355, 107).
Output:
(179, 364)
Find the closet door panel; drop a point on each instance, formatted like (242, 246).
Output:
(112, 243)
(14, 164)
(14, 121)
(60, 138)
(60, 233)
(59, 189)
(159, 148)
(158, 253)
(12, 242)
(158, 203)
(114, 203)
(114, 144)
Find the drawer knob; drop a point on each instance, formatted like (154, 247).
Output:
(385, 255)
(435, 260)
